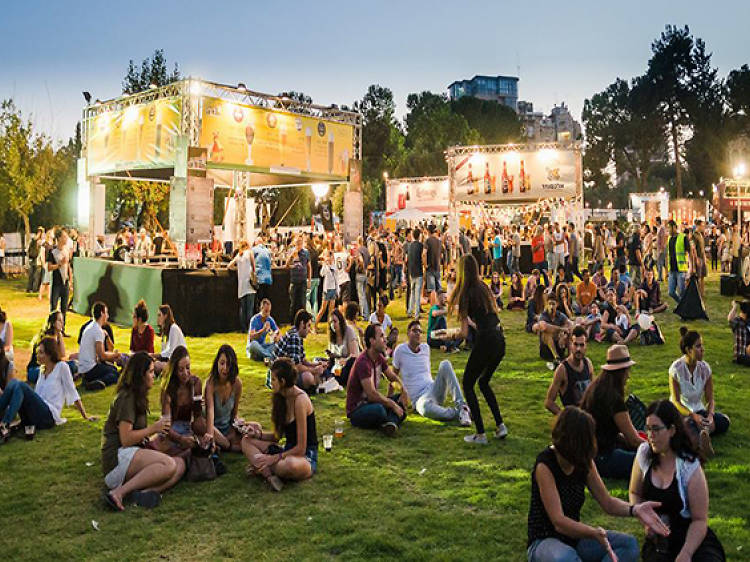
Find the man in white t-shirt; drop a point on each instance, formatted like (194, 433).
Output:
(93, 358)
(245, 264)
(411, 361)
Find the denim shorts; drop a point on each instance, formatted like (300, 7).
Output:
(432, 280)
(330, 295)
(311, 454)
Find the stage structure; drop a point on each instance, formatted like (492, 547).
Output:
(544, 176)
(648, 206)
(197, 135)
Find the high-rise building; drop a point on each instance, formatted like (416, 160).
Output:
(501, 89)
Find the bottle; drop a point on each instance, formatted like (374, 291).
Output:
(487, 177)
(522, 180)
(505, 180)
(470, 180)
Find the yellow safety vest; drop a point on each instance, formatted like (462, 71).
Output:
(679, 249)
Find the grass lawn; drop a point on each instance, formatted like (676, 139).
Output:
(424, 495)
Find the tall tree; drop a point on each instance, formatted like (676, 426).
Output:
(28, 163)
(153, 70)
(496, 123)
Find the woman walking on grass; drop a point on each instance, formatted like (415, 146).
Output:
(477, 310)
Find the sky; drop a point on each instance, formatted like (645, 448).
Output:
(333, 50)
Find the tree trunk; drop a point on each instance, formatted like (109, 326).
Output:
(677, 166)
(26, 226)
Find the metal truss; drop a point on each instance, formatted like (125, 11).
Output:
(499, 148)
(417, 180)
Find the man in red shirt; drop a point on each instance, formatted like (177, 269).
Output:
(537, 253)
(366, 407)
(585, 293)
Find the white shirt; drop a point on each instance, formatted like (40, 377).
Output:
(691, 386)
(58, 389)
(59, 255)
(175, 339)
(414, 369)
(87, 352)
(244, 269)
(386, 324)
(329, 273)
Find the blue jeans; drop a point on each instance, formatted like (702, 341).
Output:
(312, 297)
(104, 372)
(259, 351)
(364, 308)
(430, 404)
(19, 398)
(415, 296)
(676, 281)
(246, 310)
(396, 273)
(372, 416)
(661, 264)
(616, 463)
(587, 550)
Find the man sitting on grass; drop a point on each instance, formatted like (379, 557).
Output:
(94, 361)
(572, 376)
(436, 321)
(366, 407)
(648, 297)
(292, 345)
(738, 321)
(261, 326)
(553, 329)
(411, 361)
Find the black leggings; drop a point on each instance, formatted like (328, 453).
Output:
(486, 353)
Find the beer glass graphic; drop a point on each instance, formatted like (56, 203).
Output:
(330, 152)
(308, 147)
(249, 137)
(282, 137)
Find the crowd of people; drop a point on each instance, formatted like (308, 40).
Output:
(601, 285)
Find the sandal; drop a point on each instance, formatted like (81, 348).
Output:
(110, 501)
(4, 433)
(275, 483)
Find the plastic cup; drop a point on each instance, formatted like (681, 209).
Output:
(338, 430)
(30, 431)
(328, 442)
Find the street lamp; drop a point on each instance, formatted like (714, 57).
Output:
(739, 170)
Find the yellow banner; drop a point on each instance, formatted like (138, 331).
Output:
(139, 136)
(266, 140)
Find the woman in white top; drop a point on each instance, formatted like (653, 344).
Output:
(171, 337)
(6, 335)
(666, 470)
(329, 273)
(690, 381)
(41, 409)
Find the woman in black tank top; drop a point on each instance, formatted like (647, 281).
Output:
(298, 459)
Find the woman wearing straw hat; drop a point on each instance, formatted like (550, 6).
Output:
(604, 399)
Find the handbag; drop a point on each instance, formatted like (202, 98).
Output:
(201, 467)
(637, 412)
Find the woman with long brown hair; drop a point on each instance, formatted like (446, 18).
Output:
(293, 417)
(171, 337)
(477, 309)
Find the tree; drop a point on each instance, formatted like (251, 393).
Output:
(152, 71)
(28, 163)
(496, 123)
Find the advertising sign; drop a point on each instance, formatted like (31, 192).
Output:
(516, 175)
(686, 211)
(265, 140)
(139, 136)
(428, 194)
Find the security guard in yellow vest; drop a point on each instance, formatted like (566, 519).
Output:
(678, 248)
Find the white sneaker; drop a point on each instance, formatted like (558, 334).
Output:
(464, 416)
(550, 365)
(476, 438)
(501, 432)
(329, 385)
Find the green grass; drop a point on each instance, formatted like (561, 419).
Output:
(423, 495)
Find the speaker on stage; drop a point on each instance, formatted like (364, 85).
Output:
(728, 285)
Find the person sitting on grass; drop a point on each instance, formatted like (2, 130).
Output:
(171, 337)
(292, 346)
(53, 327)
(532, 283)
(380, 316)
(572, 376)
(262, 325)
(604, 399)
(586, 293)
(411, 361)
(622, 289)
(689, 381)
(648, 297)
(553, 329)
(366, 407)
(343, 346)
(181, 402)
(6, 333)
(600, 281)
(93, 358)
(496, 288)
(293, 418)
(516, 300)
(564, 302)
(351, 315)
(561, 474)
(536, 306)
(131, 471)
(593, 323)
(223, 394)
(142, 334)
(738, 321)
(436, 320)
(42, 407)
(616, 326)
(667, 471)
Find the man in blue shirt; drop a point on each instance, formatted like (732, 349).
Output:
(261, 326)
(263, 275)
(497, 254)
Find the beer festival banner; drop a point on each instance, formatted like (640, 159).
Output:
(427, 194)
(136, 137)
(516, 175)
(265, 140)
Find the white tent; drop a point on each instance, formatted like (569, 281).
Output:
(409, 215)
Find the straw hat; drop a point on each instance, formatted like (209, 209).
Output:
(618, 357)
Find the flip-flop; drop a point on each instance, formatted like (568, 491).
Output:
(148, 499)
(110, 501)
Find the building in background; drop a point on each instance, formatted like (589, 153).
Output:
(558, 126)
(500, 89)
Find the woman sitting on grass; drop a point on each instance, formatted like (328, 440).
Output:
(132, 472)
(6, 335)
(293, 417)
(171, 337)
(668, 471)
(536, 306)
(565, 305)
(181, 401)
(343, 345)
(53, 327)
(561, 474)
(223, 394)
(40, 408)
(516, 300)
(142, 334)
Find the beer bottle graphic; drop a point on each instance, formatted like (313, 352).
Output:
(505, 180)
(470, 180)
(522, 180)
(487, 188)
